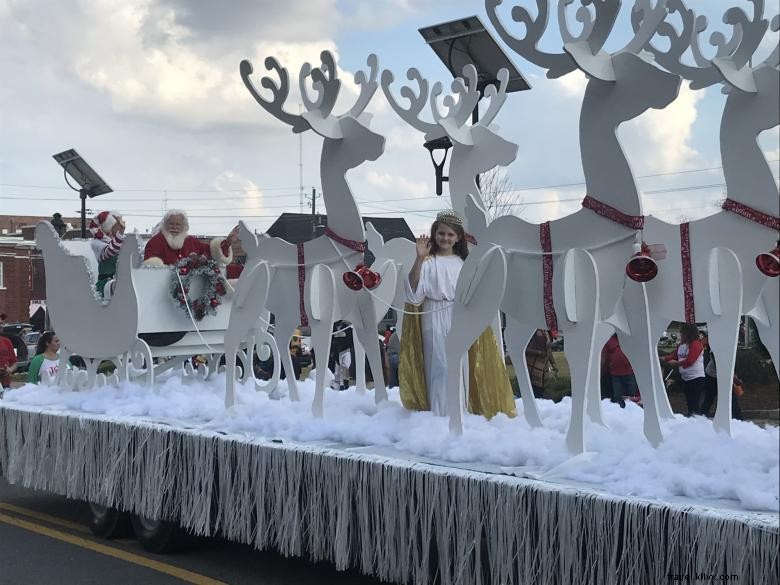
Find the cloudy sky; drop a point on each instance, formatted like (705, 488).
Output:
(148, 92)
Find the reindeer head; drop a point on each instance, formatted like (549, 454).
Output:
(318, 114)
(732, 61)
(454, 123)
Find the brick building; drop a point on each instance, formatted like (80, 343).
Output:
(21, 277)
(22, 283)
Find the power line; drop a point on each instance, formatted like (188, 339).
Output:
(158, 189)
(385, 201)
(295, 191)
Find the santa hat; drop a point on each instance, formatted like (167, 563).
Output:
(103, 222)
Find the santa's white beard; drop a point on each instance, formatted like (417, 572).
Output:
(175, 242)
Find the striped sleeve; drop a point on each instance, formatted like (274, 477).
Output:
(112, 248)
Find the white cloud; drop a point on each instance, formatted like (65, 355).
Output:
(139, 54)
(661, 139)
(572, 84)
(398, 184)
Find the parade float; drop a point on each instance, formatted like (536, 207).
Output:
(573, 492)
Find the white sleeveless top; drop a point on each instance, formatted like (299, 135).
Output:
(696, 370)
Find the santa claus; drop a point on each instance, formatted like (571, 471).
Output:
(173, 242)
(108, 229)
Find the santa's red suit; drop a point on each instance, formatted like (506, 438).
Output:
(159, 251)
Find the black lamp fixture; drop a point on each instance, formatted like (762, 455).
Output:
(459, 43)
(90, 183)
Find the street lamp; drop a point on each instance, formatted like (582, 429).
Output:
(90, 183)
(459, 43)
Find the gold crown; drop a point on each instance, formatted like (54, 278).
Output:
(450, 216)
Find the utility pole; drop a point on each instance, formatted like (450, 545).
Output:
(314, 221)
(300, 164)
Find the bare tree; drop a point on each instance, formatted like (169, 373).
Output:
(498, 195)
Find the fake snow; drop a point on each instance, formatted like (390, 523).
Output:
(694, 461)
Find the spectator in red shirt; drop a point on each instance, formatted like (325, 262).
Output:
(688, 358)
(7, 361)
(616, 364)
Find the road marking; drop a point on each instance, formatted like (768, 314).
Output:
(179, 573)
(45, 517)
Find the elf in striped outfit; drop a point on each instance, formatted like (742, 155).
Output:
(109, 230)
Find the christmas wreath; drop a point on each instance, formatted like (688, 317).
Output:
(198, 265)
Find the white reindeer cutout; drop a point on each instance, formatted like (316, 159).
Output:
(306, 280)
(475, 149)
(568, 273)
(719, 263)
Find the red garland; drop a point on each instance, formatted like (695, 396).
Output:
(301, 282)
(751, 214)
(351, 244)
(636, 222)
(547, 272)
(685, 254)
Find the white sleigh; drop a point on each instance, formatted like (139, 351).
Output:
(121, 330)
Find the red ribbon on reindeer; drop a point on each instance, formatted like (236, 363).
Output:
(751, 214)
(687, 273)
(550, 317)
(636, 222)
(351, 244)
(767, 262)
(301, 283)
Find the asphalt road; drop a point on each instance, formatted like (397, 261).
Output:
(44, 539)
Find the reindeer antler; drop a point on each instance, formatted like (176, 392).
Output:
(325, 82)
(497, 97)
(280, 92)
(458, 112)
(587, 48)
(417, 101)
(368, 86)
(731, 61)
(557, 64)
(595, 29)
(671, 59)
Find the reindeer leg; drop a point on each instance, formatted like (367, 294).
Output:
(767, 319)
(360, 366)
(518, 335)
(230, 376)
(581, 294)
(321, 309)
(725, 288)
(639, 345)
(457, 344)
(283, 332)
(602, 333)
(366, 331)
(478, 297)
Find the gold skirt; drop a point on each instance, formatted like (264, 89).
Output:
(489, 390)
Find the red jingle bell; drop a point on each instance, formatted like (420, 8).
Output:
(641, 267)
(360, 277)
(352, 280)
(371, 279)
(214, 302)
(183, 270)
(769, 262)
